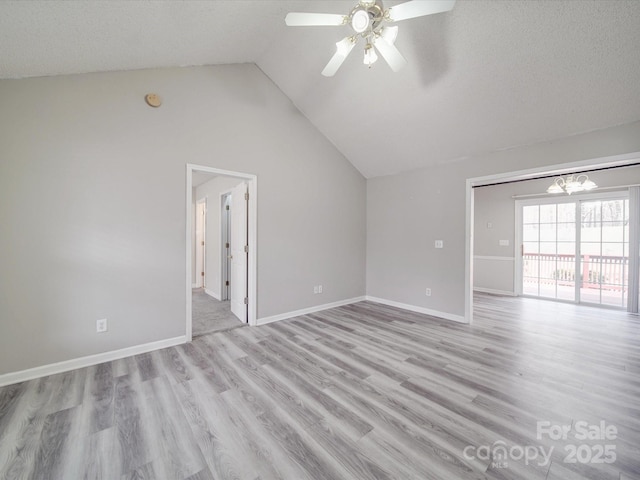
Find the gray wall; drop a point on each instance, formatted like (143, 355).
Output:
(407, 212)
(92, 204)
(495, 205)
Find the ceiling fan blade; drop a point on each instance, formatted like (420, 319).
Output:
(390, 53)
(296, 19)
(343, 49)
(419, 8)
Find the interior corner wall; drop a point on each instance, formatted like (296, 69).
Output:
(407, 212)
(212, 190)
(92, 205)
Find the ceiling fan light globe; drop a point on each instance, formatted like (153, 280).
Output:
(370, 56)
(360, 21)
(589, 185)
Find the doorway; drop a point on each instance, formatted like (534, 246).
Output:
(248, 246)
(575, 249)
(550, 170)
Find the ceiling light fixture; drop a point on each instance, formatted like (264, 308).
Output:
(571, 184)
(367, 21)
(370, 56)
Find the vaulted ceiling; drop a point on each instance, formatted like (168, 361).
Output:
(489, 75)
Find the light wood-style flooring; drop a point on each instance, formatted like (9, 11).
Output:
(363, 391)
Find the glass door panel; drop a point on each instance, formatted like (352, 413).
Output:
(548, 251)
(604, 247)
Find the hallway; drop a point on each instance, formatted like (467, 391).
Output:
(211, 315)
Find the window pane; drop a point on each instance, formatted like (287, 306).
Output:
(591, 213)
(548, 247)
(567, 248)
(530, 233)
(566, 232)
(612, 295)
(567, 262)
(531, 247)
(612, 249)
(530, 214)
(548, 213)
(612, 232)
(591, 273)
(548, 232)
(612, 210)
(567, 212)
(590, 249)
(591, 233)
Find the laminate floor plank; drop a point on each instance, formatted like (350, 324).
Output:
(20, 437)
(96, 456)
(323, 403)
(133, 436)
(170, 432)
(445, 464)
(363, 391)
(219, 442)
(271, 458)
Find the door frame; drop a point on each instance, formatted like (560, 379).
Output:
(252, 265)
(201, 279)
(528, 174)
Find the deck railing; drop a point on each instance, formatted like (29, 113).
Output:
(596, 271)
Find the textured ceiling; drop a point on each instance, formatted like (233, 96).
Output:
(486, 76)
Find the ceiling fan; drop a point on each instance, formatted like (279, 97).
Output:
(367, 19)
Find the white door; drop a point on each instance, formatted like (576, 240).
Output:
(239, 247)
(225, 261)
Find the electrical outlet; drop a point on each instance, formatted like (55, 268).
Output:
(489, 225)
(316, 289)
(503, 243)
(439, 244)
(319, 288)
(428, 292)
(101, 325)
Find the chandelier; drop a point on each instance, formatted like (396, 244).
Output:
(571, 184)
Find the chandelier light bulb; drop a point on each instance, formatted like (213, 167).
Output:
(370, 55)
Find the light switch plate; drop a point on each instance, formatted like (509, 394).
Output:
(504, 243)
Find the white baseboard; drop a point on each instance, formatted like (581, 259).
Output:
(494, 292)
(413, 308)
(211, 293)
(493, 257)
(305, 311)
(65, 366)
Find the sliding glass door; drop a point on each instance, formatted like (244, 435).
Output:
(575, 250)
